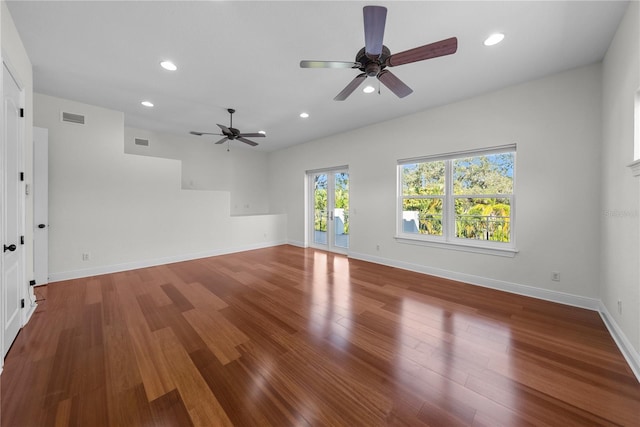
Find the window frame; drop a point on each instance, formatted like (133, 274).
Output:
(448, 239)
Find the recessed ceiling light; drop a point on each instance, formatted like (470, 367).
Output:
(494, 39)
(147, 103)
(304, 115)
(369, 89)
(168, 65)
(262, 132)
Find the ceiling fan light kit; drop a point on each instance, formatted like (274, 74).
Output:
(373, 59)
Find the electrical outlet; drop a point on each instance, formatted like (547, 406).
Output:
(555, 276)
(377, 247)
(86, 256)
(619, 307)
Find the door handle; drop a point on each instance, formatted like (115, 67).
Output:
(11, 248)
(41, 226)
(331, 215)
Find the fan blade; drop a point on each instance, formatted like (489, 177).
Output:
(353, 85)
(329, 64)
(225, 130)
(203, 133)
(433, 50)
(253, 135)
(246, 141)
(374, 20)
(222, 140)
(394, 84)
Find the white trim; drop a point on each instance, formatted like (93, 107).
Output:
(630, 354)
(32, 309)
(331, 206)
(12, 70)
(116, 268)
(297, 243)
(636, 130)
(514, 288)
(505, 252)
(329, 169)
(635, 168)
(626, 348)
(460, 154)
(448, 237)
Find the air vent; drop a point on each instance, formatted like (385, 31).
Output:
(143, 142)
(73, 118)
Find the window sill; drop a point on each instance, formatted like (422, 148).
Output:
(504, 252)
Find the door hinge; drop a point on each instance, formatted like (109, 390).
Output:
(22, 303)
(22, 112)
(21, 176)
(22, 240)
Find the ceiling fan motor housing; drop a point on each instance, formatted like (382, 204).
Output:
(372, 66)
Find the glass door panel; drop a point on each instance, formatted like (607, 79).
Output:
(329, 207)
(320, 211)
(341, 209)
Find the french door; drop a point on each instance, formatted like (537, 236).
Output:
(329, 210)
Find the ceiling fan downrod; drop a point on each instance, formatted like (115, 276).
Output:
(231, 111)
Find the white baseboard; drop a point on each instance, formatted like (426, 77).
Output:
(626, 348)
(624, 345)
(29, 314)
(296, 243)
(107, 269)
(628, 351)
(514, 288)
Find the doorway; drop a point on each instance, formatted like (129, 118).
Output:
(41, 205)
(12, 211)
(329, 223)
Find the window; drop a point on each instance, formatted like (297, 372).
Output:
(463, 200)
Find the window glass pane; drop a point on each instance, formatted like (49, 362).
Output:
(488, 174)
(422, 216)
(320, 213)
(483, 219)
(423, 178)
(341, 211)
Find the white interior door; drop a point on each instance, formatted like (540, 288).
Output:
(12, 211)
(41, 205)
(329, 209)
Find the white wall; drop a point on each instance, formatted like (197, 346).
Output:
(125, 210)
(555, 122)
(620, 276)
(206, 166)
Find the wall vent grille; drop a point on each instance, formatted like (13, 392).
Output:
(143, 142)
(72, 118)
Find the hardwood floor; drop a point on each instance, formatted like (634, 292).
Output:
(292, 337)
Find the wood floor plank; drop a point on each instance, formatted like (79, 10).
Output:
(220, 335)
(202, 298)
(286, 336)
(203, 407)
(168, 410)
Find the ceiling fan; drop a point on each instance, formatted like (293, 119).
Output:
(374, 58)
(230, 133)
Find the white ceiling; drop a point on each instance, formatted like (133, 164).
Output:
(245, 55)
